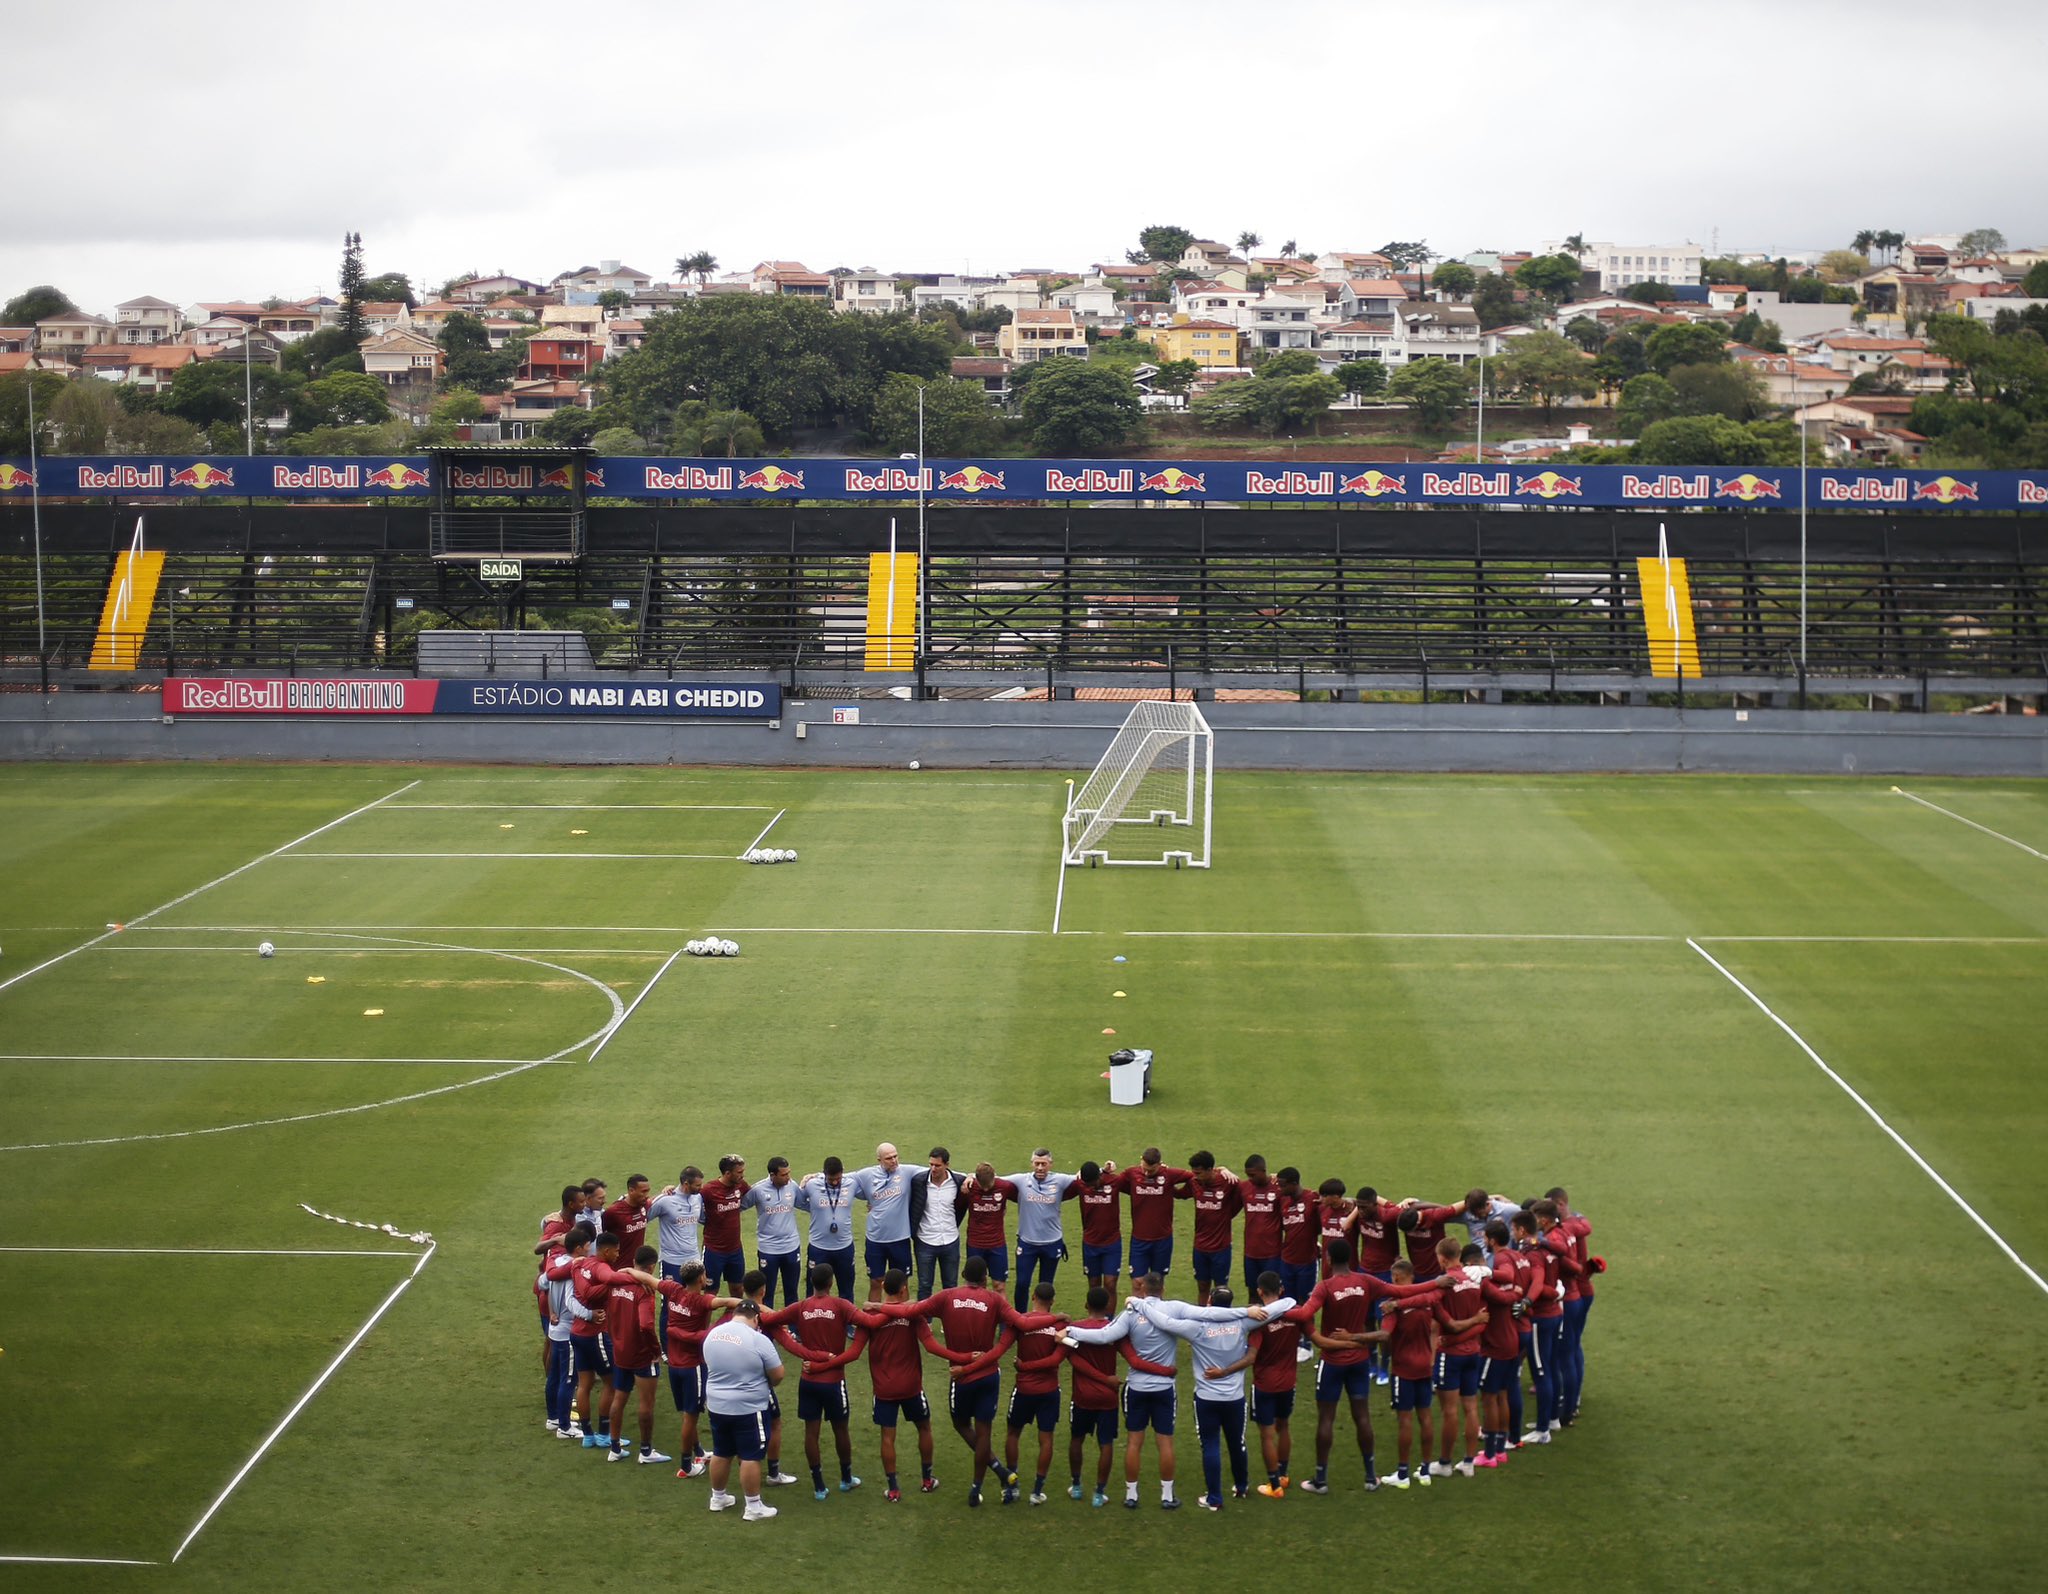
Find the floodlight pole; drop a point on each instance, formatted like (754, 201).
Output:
(35, 494)
(923, 589)
(1802, 548)
(248, 395)
(1479, 441)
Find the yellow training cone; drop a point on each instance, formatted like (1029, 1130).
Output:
(373, 1012)
(1116, 993)
(316, 979)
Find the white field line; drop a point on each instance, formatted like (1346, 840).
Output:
(750, 846)
(1387, 935)
(585, 808)
(69, 1560)
(580, 857)
(1897, 1139)
(137, 1057)
(619, 1023)
(390, 951)
(608, 993)
(301, 1403)
(1059, 892)
(141, 918)
(178, 1250)
(1893, 940)
(1959, 819)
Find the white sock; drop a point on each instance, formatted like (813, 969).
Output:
(752, 1501)
(1166, 1491)
(1130, 1491)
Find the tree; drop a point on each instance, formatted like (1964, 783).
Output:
(1652, 292)
(1890, 241)
(1556, 277)
(472, 362)
(699, 265)
(1454, 279)
(1362, 379)
(1587, 332)
(1287, 249)
(1408, 256)
(957, 418)
(1843, 265)
(902, 342)
(613, 300)
(1622, 357)
(1645, 400)
(1576, 246)
(1435, 391)
(457, 406)
(85, 414)
(1687, 343)
(1494, 302)
(207, 392)
(329, 349)
(1293, 402)
(343, 398)
(153, 432)
(1547, 367)
(1753, 331)
(36, 304)
(1290, 362)
(393, 437)
(1162, 243)
(390, 287)
(1862, 241)
(1075, 408)
(618, 440)
(1699, 440)
(1176, 376)
(14, 407)
(352, 288)
(1247, 241)
(1725, 388)
(702, 432)
(1980, 241)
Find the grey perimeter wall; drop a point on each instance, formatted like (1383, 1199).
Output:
(1071, 736)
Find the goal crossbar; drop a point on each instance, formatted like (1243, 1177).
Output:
(1147, 800)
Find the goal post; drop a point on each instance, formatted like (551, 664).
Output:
(1147, 800)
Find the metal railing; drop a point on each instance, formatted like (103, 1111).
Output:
(520, 533)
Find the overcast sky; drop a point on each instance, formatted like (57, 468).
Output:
(213, 150)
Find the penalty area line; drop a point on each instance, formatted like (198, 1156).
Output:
(750, 846)
(1996, 835)
(1875, 1117)
(620, 1022)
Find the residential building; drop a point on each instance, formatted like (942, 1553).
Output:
(290, 322)
(215, 331)
(586, 319)
(1286, 318)
(1619, 266)
(1205, 254)
(1367, 338)
(962, 293)
(246, 345)
(379, 315)
(1341, 265)
(623, 336)
(1374, 296)
(1283, 268)
(240, 310)
(867, 291)
(17, 340)
(661, 296)
(1797, 321)
(482, 290)
(524, 406)
(147, 320)
(1983, 309)
(1034, 335)
(1213, 345)
(553, 354)
(1854, 351)
(1791, 379)
(1020, 292)
(1093, 300)
(401, 357)
(1132, 279)
(1441, 332)
(992, 376)
(65, 337)
(790, 279)
(1209, 301)
(147, 366)
(585, 284)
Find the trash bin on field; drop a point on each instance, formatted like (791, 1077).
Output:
(1130, 1076)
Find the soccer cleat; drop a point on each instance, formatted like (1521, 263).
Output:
(1421, 1476)
(1273, 1491)
(653, 1458)
(1170, 1505)
(1208, 1502)
(698, 1467)
(892, 1495)
(756, 1512)
(1536, 1436)
(1464, 1469)
(1380, 1378)
(618, 1453)
(1100, 1497)
(1310, 1486)
(1009, 1495)
(1238, 1492)
(1478, 1461)
(1394, 1480)
(821, 1494)
(1557, 1425)
(597, 1441)
(569, 1433)
(1372, 1485)
(1130, 1502)
(1439, 1469)
(723, 1502)
(973, 1496)
(1038, 1498)
(778, 1477)
(928, 1485)
(1074, 1491)
(848, 1484)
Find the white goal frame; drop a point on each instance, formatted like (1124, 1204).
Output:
(1158, 773)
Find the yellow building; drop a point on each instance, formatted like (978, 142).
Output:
(1210, 344)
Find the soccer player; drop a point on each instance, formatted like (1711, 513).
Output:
(1334, 1217)
(828, 1198)
(1513, 1269)
(1275, 1373)
(1422, 1231)
(627, 1216)
(1102, 1230)
(976, 1320)
(885, 1188)
(775, 1241)
(1151, 1185)
(1150, 1399)
(689, 1306)
(725, 1258)
(1217, 1202)
(557, 1294)
(897, 1371)
(678, 1214)
(636, 1353)
(1412, 1328)
(1222, 1337)
(1375, 1243)
(1578, 1299)
(1041, 1243)
(937, 1200)
(1349, 1303)
(592, 1273)
(827, 1337)
(1259, 1196)
(1500, 1344)
(986, 1197)
(1095, 1393)
(1546, 1242)
(743, 1370)
(1300, 1235)
(1455, 1373)
(1480, 1209)
(1035, 1393)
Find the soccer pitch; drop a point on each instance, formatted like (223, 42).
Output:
(1808, 1365)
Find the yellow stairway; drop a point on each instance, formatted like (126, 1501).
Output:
(130, 596)
(1672, 647)
(892, 611)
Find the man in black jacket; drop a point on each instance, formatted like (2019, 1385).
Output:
(937, 1198)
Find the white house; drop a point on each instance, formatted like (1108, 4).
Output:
(963, 293)
(1620, 265)
(147, 320)
(1092, 299)
(867, 291)
(1441, 332)
(1211, 301)
(585, 283)
(1014, 295)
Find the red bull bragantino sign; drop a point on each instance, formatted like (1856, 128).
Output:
(999, 481)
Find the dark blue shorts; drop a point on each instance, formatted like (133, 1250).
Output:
(686, 1385)
(1151, 1256)
(916, 1410)
(725, 1267)
(1041, 1409)
(1044, 1257)
(841, 1264)
(975, 1400)
(1499, 1376)
(1254, 1266)
(1333, 1382)
(1458, 1375)
(626, 1377)
(742, 1437)
(828, 1402)
(997, 1262)
(1089, 1423)
(586, 1353)
(1150, 1408)
(1102, 1261)
(885, 1254)
(1213, 1267)
(1411, 1394)
(1271, 1407)
(1297, 1280)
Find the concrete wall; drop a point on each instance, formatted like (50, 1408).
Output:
(1070, 736)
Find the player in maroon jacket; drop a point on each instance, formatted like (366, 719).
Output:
(627, 1216)
(1258, 1196)
(1035, 1396)
(1375, 1243)
(1102, 1228)
(1300, 1240)
(821, 1343)
(1349, 1302)
(1151, 1185)
(1578, 1298)
(897, 1372)
(976, 1320)
(1275, 1373)
(690, 1305)
(1214, 1192)
(987, 1238)
(1334, 1217)
(1096, 1397)
(592, 1273)
(1513, 1270)
(1422, 1231)
(1411, 1337)
(636, 1353)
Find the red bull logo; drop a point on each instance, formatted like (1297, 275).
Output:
(1173, 481)
(563, 476)
(1547, 484)
(1090, 480)
(1945, 490)
(2033, 492)
(773, 479)
(13, 478)
(970, 479)
(202, 477)
(1373, 484)
(1748, 488)
(396, 477)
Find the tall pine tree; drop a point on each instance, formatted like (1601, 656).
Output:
(352, 287)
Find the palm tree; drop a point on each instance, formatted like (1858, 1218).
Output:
(1862, 241)
(1288, 248)
(1575, 245)
(700, 265)
(1247, 241)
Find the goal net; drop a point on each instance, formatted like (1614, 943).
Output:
(1147, 801)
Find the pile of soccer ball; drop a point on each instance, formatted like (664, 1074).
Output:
(771, 855)
(712, 948)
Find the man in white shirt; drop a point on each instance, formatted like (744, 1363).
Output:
(937, 1198)
(742, 1368)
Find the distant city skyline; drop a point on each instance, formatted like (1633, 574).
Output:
(1490, 130)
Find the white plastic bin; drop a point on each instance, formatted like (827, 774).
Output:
(1130, 1082)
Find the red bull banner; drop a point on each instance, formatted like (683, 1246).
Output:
(622, 698)
(1036, 481)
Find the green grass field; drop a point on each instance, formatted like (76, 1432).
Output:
(1807, 1368)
